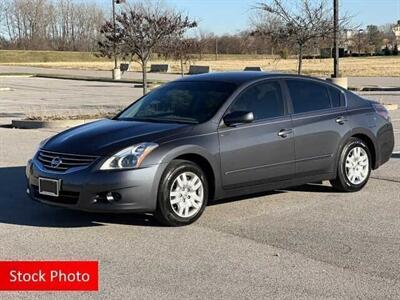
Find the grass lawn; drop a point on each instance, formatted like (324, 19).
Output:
(350, 66)
(22, 56)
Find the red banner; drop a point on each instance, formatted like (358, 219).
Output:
(49, 276)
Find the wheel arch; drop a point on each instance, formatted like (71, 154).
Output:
(371, 146)
(198, 155)
(368, 138)
(205, 165)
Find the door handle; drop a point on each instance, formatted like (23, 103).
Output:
(283, 133)
(340, 120)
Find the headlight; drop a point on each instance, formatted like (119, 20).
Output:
(129, 158)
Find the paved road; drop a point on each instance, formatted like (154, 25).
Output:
(392, 98)
(353, 81)
(37, 96)
(42, 96)
(306, 242)
(56, 94)
(374, 81)
(302, 243)
(89, 73)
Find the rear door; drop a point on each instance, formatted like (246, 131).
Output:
(262, 151)
(319, 121)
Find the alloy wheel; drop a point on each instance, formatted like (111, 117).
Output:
(357, 165)
(186, 194)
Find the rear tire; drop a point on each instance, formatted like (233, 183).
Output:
(354, 166)
(182, 194)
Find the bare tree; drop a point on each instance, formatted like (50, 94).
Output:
(110, 42)
(180, 49)
(144, 27)
(311, 20)
(50, 24)
(375, 37)
(264, 27)
(2, 17)
(359, 42)
(204, 41)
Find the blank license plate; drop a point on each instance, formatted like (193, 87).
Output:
(49, 187)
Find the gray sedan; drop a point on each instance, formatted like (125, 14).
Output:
(210, 137)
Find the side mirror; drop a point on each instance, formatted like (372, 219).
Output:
(238, 117)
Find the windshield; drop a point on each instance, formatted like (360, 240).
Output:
(182, 102)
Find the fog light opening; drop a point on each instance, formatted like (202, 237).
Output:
(112, 197)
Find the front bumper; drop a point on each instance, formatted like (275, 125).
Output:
(85, 188)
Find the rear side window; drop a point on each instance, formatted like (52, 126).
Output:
(308, 96)
(336, 97)
(264, 100)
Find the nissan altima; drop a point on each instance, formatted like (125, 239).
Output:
(209, 137)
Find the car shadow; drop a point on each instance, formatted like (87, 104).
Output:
(310, 188)
(313, 188)
(17, 208)
(246, 197)
(395, 155)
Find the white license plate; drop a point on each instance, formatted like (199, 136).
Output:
(49, 187)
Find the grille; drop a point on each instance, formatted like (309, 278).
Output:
(63, 161)
(64, 197)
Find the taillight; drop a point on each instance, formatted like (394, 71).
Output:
(382, 111)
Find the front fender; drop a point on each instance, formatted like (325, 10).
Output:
(206, 146)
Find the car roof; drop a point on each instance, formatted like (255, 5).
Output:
(230, 77)
(239, 78)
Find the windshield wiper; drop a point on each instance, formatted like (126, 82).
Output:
(183, 121)
(159, 120)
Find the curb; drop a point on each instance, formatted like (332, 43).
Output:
(36, 124)
(353, 88)
(379, 89)
(391, 106)
(100, 79)
(150, 86)
(83, 78)
(16, 75)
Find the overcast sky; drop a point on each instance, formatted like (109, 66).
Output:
(230, 16)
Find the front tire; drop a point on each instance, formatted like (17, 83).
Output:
(182, 194)
(354, 167)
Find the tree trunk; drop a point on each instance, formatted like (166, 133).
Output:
(300, 59)
(182, 72)
(144, 76)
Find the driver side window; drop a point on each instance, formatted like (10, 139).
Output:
(264, 100)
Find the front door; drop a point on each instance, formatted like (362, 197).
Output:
(262, 151)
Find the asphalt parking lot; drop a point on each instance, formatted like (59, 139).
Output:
(40, 96)
(27, 95)
(305, 243)
(43, 96)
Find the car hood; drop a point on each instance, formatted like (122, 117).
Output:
(105, 137)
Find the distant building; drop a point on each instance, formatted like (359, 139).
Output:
(353, 42)
(396, 31)
(348, 34)
(347, 37)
